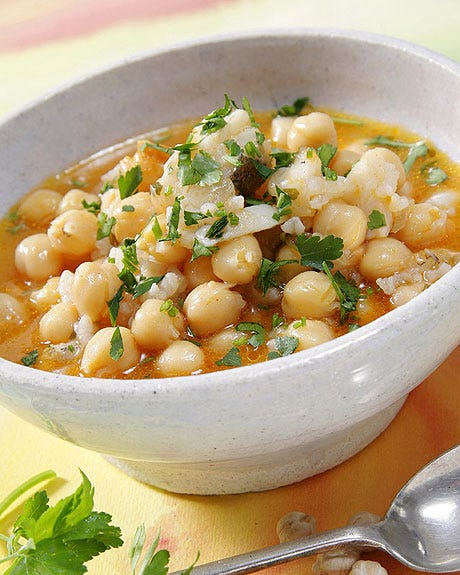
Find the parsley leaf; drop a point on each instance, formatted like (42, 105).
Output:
(199, 250)
(256, 329)
(173, 235)
(268, 272)
(92, 207)
(285, 345)
(293, 109)
(129, 182)
(325, 153)
(347, 292)
(60, 539)
(235, 153)
(376, 220)
(314, 250)
(283, 204)
(384, 141)
(114, 305)
(192, 218)
(231, 359)
(104, 225)
(145, 284)
(78, 183)
(217, 228)
(169, 307)
(417, 150)
(282, 158)
(208, 169)
(116, 345)
(30, 358)
(216, 119)
(435, 176)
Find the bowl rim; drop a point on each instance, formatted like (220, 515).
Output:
(224, 378)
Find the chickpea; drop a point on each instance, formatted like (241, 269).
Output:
(154, 328)
(73, 200)
(11, 310)
(288, 271)
(405, 293)
(344, 221)
(198, 272)
(40, 206)
(392, 158)
(311, 332)
(36, 258)
(280, 128)
(57, 324)
(96, 359)
(309, 294)
(73, 233)
(343, 161)
(295, 525)
(336, 561)
(312, 130)
(237, 261)
(384, 257)
(130, 223)
(91, 289)
(424, 225)
(223, 341)
(180, 358)
(47, 296)
(166, 252)
(368, 568)
(212, 306)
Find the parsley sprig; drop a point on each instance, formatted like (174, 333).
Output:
(348, 293)
(61, 538)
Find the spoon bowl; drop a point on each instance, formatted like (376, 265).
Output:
(421, 528)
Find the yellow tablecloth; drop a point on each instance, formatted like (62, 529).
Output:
(42, 44)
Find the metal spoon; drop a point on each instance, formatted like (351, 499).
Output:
(421, 529)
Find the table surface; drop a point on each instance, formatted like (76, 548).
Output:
(42, 45)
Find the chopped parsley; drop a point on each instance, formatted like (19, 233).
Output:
(169, 307)
(417, 150)
(285, 345)
(144, 284)
(252, 151)
(282, 159)
(264, 170)
(268, 272)
(384, 141)
(325, 153)
(156, 229)
(234, 153)
(295, 108)
(256, 329)
(114, 305)
(78, 183)
(435, 176)
(233, 219)
(314, 250)
(192, 218)
(104, 225)
(173, 235)
(283, 204)
(116, 345)
(302, 322)
(347, 292)
(199, 250)
(231, 359)
(376, 220)
(30, 358)
(92, 207)
(129, 182)
(128, 208)
(277, 321)
(217, 228)
(202, 169)
(216, 120)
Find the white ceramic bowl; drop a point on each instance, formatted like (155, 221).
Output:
(274, 423)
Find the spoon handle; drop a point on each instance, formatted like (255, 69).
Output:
(284, 552)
